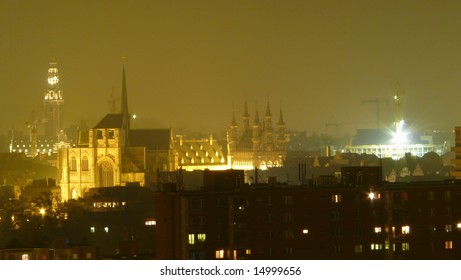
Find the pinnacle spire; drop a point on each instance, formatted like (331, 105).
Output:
(256, 121)
(268, 110)
(124, 105)
(281, 122)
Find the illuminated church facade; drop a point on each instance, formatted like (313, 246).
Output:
(112, 154)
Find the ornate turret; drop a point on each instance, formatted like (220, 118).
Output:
(53, 101)
(281, 130)
(246, 118)
(256, 131)
(232, 132)
(268, 119)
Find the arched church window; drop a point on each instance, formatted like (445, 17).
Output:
(105, 175)
(73, 163)
(84, 163)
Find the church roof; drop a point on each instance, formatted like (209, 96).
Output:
(152, 139)
(200, 152)
(111, 121)
(246, 141)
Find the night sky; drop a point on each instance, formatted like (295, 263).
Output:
(189, 64)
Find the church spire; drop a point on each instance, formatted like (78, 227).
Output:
(124, 110)
(281, 122)
(246, 118)
(124, 105)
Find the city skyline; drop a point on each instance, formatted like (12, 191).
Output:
(189, 66)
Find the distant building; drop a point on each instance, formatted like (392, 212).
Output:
(260, 146)
(36, 143)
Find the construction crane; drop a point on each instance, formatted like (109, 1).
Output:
(377, 102)
(33, 133)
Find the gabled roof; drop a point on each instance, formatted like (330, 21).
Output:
(111, 121)
(152, 139)
(200, 152)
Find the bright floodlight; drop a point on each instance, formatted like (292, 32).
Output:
(372, 195)
(399, 136)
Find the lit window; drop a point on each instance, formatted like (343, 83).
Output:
(358, 249)
(405, 246)
(448, 244)
(92, 229)
(106, 229)
(448, 228)
(201, 237)
(88, 255)
(191, 239)
(406, 230)
(150, 222)
(25, 257)
(336, 198)
(75, 256)
(305, 231)
(376, 246)
(248, 251)
(378, 229)
(219, 254)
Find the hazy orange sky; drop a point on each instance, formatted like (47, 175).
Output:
(189, 64)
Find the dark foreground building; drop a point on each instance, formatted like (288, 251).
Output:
(359, 217)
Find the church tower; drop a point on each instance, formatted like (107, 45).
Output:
(53, 101)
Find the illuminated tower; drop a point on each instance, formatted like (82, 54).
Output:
(53, 101)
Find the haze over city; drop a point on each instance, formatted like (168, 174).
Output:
(189, 64)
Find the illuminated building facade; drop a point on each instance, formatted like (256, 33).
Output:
(111, 154)
(260, 146)
(358, 218)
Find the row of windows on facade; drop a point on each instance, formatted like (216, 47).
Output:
(338, 249)
(110, 134)
(26, 257)
(106, 229)
(335, 198)
(396, 231)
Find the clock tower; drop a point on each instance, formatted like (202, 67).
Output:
(53, 101)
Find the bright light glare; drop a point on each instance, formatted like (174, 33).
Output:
(371, 195)
(399, 136)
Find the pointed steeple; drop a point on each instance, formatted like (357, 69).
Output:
(246, 118)
(268, 110)
(233, 122)
(124, 105)
(281, 122)
(256, 121)
(124, 110)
